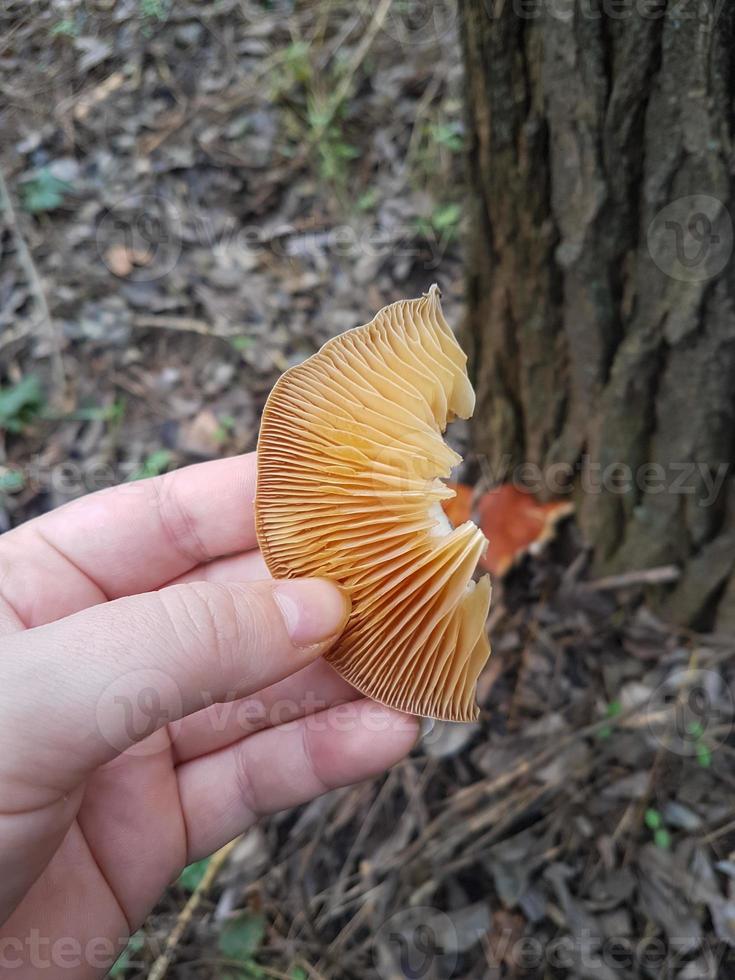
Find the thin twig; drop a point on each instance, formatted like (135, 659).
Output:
(367, 825)
(160, 967)
(34, 281)
(647, 576)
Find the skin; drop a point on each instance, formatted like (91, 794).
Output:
(158, 694)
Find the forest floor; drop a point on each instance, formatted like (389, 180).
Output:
(196, 196)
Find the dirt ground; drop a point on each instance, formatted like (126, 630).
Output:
(195, 197)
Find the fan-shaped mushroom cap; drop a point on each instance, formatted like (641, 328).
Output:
(349, 459)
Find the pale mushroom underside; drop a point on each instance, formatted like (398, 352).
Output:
(350, 457)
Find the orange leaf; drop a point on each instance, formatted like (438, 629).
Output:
(459, 508)
(514, 522)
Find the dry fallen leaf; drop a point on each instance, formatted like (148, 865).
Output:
(514, 523)
(121, 260)
(459, 508)
(118, 261)
(202, 435)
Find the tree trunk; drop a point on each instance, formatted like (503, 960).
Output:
(601, 273)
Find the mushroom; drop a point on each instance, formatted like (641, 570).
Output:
(350, 456)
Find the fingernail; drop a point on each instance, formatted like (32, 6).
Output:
(313, 610)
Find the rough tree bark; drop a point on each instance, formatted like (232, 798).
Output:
(602, 279)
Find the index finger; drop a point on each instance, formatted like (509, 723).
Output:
(137, 536)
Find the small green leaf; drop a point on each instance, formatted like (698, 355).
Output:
(65, 27)
(241, 343)
(126, 959)
(611, 711)
(20, 404)
(367, 200)
(191, 876)
(695, 729)
(424, 227)
(296, 61)
(242, 936)
(155, 464)
(94, 413)
(43, 192)
(346, 151)
(319, 113)
(446, 217)
(298, 973)
(704, 755)
(449, 136)
(225, 428)
(153, 9)
(662, 838)
(11, 481)
(653, 819)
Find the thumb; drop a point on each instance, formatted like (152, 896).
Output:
(79, 691)
(76, 693)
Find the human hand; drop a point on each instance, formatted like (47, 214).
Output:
(127, 619)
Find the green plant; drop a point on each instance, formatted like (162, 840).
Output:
(446, 217)
(240, 940)
(112, 413)
(435, 148)
(695, 730)
(11, 480)
(612, 711)
(334, 155)
(297, 64)
(155, 463)
(448, 135)
(191, 876)
(325, 133)
(65, 28)
(655, 823)
(153, 9)
(225, 428)
(43, 191)
(20, 404)
(368, 200)
(443, 222)
(314, 106)
(241, 343)
(127, 958)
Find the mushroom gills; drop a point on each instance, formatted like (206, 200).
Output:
(350, 461)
